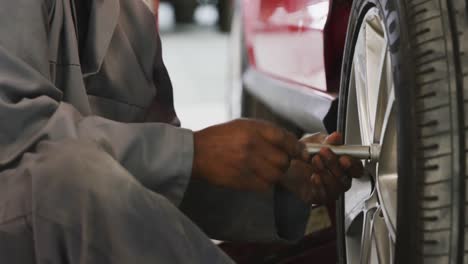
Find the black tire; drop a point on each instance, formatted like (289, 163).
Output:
(225, 10)
(428, 51)
(184, 11)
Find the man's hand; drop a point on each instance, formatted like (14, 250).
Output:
(245, 154)
(326, 176)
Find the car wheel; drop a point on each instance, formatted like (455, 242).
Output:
(404, 89)
(184, 10)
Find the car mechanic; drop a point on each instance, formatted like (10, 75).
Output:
(94, 168)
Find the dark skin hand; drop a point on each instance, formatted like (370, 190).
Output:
(255, 155)
(245, 154)
(326, 176)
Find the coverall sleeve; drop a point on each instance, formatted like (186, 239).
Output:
(31, 109)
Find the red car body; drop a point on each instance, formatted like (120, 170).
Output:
(295, 40)
(295, 46)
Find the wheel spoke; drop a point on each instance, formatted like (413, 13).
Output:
(387, 175)
(384, 99)
(371, 206)
(381, 237)
(376, 57)
(356, 199)
(370, 72)
(388, 113)
(360, 82)
(366, 242)
(353, 126)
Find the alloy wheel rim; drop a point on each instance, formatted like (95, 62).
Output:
(371, 204)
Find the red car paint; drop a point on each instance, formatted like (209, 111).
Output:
(300, 41)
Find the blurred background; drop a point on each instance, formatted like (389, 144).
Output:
(196, 55)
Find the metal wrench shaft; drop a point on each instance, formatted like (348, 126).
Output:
(360, 152)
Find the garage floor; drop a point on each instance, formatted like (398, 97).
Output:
(197, 58)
